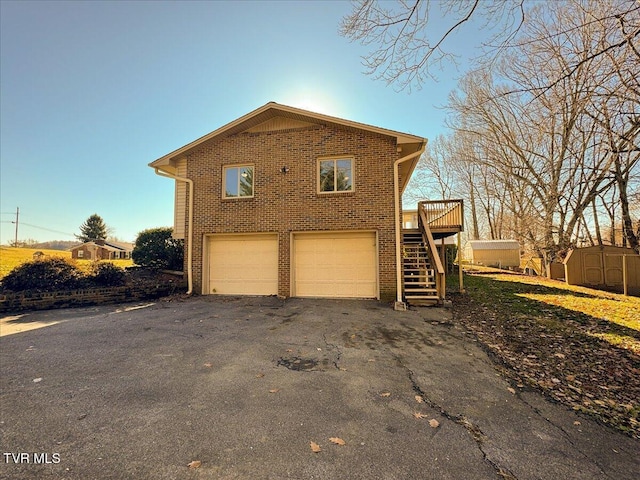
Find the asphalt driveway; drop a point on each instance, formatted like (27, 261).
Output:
(240, 388)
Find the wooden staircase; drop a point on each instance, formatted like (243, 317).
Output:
(418, 274)
(423, 272)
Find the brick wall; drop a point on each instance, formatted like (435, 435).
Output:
(90, 253)
(289, 202)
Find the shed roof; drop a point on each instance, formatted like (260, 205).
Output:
(494, 244)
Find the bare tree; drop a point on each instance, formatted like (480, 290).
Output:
(409, 38)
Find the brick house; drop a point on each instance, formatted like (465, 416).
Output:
(287, 202)
(102, 250)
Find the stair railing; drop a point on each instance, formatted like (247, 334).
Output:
(443, 214)
(423, 225)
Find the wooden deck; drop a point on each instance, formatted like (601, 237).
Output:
(443, 217)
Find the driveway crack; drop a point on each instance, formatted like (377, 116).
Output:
(336, 348)
(565, 434)
(474, 430)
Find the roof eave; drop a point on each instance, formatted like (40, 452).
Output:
(405, 140)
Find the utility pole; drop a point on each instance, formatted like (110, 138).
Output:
(16, 222)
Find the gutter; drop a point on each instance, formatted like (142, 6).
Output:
(396, 193)
(189, 182)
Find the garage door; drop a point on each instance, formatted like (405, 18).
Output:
(336, 265)
(243, 264)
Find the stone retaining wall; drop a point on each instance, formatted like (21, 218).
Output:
(13, 302)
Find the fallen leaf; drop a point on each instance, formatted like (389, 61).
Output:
(208, 365)
(259, 375)
(511, 390)
(315, 448)
(195, 464)
(385, 394)
(337, 441)
(576, 423)
(274, 390)
(419, 399)
(37, 380)
(420, 415)
(433, 423)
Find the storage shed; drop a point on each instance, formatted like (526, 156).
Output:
(602, 267)
(495, 253)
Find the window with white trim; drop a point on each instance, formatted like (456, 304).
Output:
(237, 181)
(335, 175)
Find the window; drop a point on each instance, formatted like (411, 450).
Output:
(335, 175)
(80, 253)
(238, 181)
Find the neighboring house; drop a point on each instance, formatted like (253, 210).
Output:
(102, 250)
(495, 253)
(287, 202)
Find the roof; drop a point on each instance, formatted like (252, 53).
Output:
(494, 244)
(110, 245)
(406, 142)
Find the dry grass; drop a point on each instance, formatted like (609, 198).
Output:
(11, 257)
(555, 300)
(578, 345)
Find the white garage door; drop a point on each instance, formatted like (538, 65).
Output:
(336, 265)
(243, 264)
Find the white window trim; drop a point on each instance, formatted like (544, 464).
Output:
(335, 159)
(224, 181)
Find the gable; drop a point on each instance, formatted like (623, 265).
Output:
(279, 123)
(273, 117)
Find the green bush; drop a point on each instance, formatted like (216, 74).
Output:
(46, 275)
(108, 275)
(156, 248)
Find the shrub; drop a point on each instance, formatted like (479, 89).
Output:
(108, 275)
(46, 275)
(156, 248)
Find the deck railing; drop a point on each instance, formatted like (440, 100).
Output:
(443, 214)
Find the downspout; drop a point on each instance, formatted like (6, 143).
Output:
(396, 194)
(190, 229)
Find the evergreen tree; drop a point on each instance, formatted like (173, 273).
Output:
(93, 228)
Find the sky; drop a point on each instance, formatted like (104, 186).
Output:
(92, 92)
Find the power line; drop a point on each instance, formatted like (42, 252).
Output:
(39, 227)
(47, 229)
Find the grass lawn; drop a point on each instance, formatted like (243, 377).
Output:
(577, 345)
(11, 257)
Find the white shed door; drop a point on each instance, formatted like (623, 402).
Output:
(243, 264)
(335, 265)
